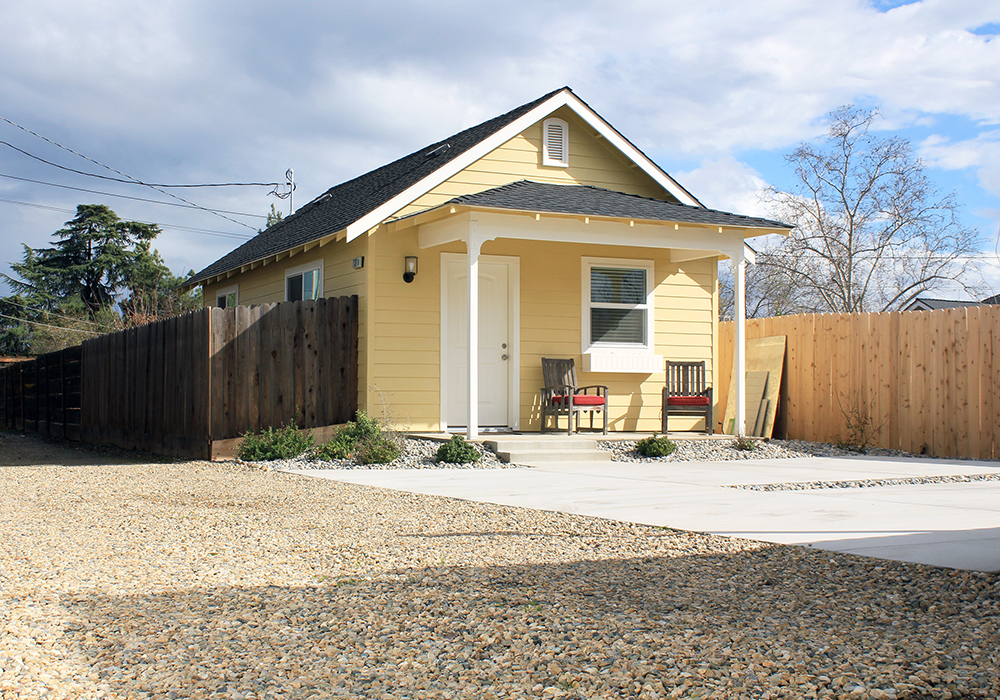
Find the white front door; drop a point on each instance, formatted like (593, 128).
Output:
(494, 342)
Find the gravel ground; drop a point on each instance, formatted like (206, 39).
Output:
(724, 450)
(199, 580)
(417, 454)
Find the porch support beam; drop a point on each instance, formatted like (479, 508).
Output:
(473, 247)
(739, 353)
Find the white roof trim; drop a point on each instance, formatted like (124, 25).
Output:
(564, 98)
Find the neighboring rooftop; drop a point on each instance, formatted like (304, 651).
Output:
(927, 304)
(585, 200)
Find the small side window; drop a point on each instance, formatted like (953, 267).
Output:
(304, 284)
(227, 298)
(555, 142)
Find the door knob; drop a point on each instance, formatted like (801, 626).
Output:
(504, 356)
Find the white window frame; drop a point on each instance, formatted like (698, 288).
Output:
(225, 292)
(301, 269)
(646, 348)
(547, 158)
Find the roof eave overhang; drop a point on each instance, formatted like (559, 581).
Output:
(261, 262)
(451, 222)
(451, 209)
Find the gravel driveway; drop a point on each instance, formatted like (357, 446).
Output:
(204, 580)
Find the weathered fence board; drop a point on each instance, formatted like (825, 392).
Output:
(922, 381)
(173, 386)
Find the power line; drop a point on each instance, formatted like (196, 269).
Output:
(205, 231)
(136, 199)
(46, 311)
(134, 182)
(46, 325)
(119, 172)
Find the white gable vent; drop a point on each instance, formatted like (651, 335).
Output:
(555, 142)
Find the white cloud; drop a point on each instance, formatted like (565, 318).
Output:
(726, 184)
(981, 153)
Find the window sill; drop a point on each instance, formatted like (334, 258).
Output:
(622, 362)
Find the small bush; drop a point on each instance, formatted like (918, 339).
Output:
(365, 440)
(745, 444)
(378, 450)
(339, 447)
(285, 442)
(457, 451)
(655, 446)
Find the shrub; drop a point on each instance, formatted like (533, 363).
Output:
(274, 443)
(655, 446)
(365, 440)
(745, 444)
(457, 451)
(378, 450)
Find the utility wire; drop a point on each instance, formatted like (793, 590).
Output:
(135, 182)
(46, 325)
(126, 175)
(136, 199)
(204, 231)
(45, 311)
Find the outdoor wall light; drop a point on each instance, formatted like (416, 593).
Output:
(410, 268)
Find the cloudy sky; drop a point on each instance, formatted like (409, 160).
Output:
(716, 92)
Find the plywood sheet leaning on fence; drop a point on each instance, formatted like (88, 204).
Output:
(766, 356)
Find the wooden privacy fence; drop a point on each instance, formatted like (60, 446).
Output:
(174, 386)
(43, 395)
(923, 381)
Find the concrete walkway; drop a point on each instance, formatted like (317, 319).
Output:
(954, 525)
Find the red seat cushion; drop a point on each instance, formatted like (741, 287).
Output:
(581, 399)
(687, 400)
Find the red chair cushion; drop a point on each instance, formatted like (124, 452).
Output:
(581, 399)
(687, 400)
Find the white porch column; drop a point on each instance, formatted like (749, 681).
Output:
(740, 345)
(473, 246)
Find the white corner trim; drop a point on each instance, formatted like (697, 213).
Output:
(564, 98)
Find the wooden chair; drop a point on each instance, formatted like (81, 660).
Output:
(686, 393)
(562, 397)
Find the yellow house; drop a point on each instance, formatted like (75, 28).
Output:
(568, 239)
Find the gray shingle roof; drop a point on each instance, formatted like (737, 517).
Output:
(936, 304)
(342, 205)
(585, 200)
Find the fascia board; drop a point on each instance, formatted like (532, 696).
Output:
(564, 98)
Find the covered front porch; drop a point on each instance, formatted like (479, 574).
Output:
(519, 272)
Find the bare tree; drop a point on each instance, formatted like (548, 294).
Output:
(872, 231)
(770, 291)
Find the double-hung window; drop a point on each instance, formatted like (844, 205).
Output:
(617, 312)
(304, 282)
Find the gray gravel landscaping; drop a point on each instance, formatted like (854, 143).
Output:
(200, 580)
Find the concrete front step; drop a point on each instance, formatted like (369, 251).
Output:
(545, 451)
